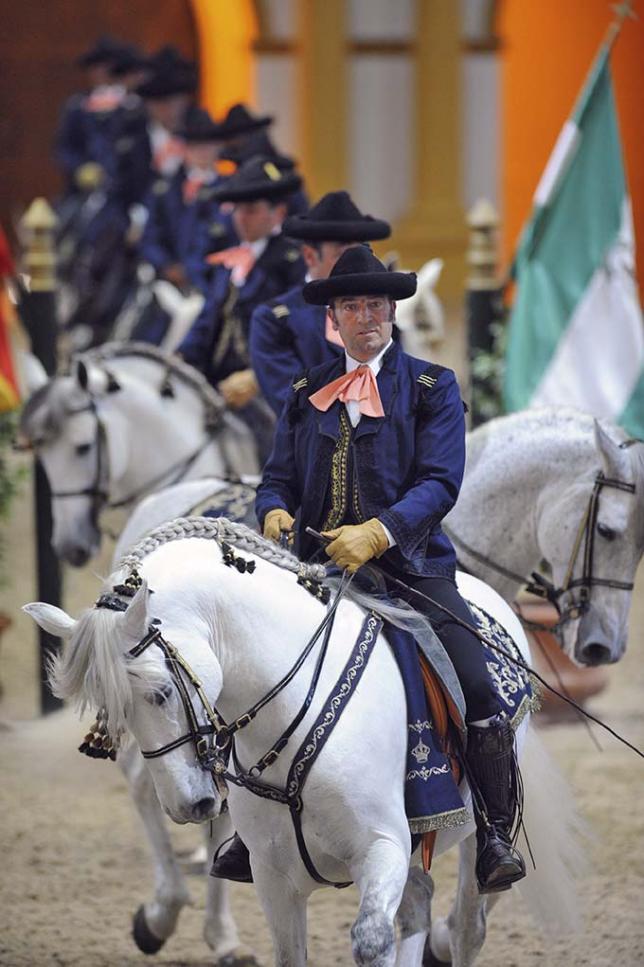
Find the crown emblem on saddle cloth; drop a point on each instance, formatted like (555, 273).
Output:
(421, 752)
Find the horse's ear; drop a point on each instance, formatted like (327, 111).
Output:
(91, 379)
(54, 620)
(615, 461)
(135, 619)
(81, 374)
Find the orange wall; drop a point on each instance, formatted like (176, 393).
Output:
(548, 46)
(227, 30)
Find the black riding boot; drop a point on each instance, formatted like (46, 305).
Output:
(491, 765)
(234, 863)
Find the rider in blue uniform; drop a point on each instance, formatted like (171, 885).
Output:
(77, 144)
(370, 450)
(264, 264)
(287, 335)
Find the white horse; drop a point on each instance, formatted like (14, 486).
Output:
(528, 481)
(236, 635)
(126, 421)
(527, 504)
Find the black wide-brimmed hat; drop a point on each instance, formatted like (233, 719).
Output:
(170, 74)
(104, 51)
(359, 272)
(129, 58)
(198, 126)
(258, 178)
(239, 121)
(257, 143)
(336, 218)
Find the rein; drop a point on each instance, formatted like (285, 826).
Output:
(541, 587)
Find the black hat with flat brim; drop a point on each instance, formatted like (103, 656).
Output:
(258, 179)
(104, 51)
(127, 60)
(198, 126)
(170, 74)
(335, 218)
(257, 143)
(359, 272)
(239, 121)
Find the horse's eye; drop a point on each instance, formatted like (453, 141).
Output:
(159, 695)
(606, 532)
(82, 449)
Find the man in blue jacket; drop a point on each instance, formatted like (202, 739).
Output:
(370, 449)
(287, 335)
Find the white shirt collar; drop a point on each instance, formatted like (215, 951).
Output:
(258, 247)
(374, 364)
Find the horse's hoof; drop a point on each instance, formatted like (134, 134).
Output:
(429, 960)
(146, 941)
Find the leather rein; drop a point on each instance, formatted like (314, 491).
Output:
(542, 587)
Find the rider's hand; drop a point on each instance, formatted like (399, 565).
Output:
(239, 388)
(355, 544)
(276, 522)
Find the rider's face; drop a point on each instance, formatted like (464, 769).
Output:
(365, 324)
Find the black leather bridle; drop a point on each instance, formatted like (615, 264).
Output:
(540, 586)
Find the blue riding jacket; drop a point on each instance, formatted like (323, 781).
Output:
(287, 336)
(405, 468)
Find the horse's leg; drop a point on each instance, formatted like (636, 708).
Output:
(381, 877)
(156, 920)
(414, 918)
(285, 911)
(458, 939)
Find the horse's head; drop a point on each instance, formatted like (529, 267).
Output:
(609, 542)
(83, 449)
(100, 667)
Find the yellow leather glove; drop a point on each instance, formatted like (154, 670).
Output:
(239, 388)
(355, 544)
(275, 522)
(89, 176)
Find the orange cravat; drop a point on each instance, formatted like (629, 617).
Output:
(331, 334)
(239, 259)
(360, 386)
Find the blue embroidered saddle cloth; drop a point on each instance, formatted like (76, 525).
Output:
(432, 797)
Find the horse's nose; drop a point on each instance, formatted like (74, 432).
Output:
(203, 809)
(595, 653)
(76, 556)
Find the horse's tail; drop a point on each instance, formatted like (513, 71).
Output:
(558, 838)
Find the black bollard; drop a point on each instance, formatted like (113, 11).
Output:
(38, 313)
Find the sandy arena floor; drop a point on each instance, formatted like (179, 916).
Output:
(74, 864)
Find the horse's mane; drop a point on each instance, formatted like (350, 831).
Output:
(173, 366)
(91, 670)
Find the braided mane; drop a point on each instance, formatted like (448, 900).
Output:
(220, 529)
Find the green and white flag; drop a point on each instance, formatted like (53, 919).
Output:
(576, 333)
